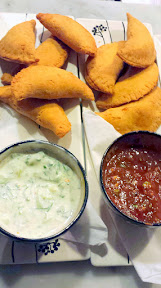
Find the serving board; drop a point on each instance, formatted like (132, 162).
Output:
(14, 127)
(113, 252)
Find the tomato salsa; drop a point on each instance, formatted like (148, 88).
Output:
(132, 180)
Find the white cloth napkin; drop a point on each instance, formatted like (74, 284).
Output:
(142, 244)
(89, 230)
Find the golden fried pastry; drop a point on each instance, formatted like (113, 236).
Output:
(46, 82)
(5, 93)
(138, 50)
(70, 32)
(6, 78)
(103, 70)
(139, 83)
(51, 53)
(45, 113)
(144, 114)
(18, 45)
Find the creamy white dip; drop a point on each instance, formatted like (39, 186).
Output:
(38, 194)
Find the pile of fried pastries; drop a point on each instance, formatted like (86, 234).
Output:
(35, 91)
(126, 75)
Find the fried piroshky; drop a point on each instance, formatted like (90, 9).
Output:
(46, 82)
(45, 113)
(103, 70)
(137, 84)
(18, 45)
(70, 32)
(138, 50)
(6, 78)
(5, 93)
(51, 53)
(144, 114)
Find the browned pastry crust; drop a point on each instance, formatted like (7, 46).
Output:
(45, 113)
(144, 114)
(51, 53)
(103, 70)
(138, 50)
(18, 45)
(46, 82)
(70, 32)
(138, 83)
(6, 78)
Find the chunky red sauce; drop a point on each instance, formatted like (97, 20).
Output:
(132, 180)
